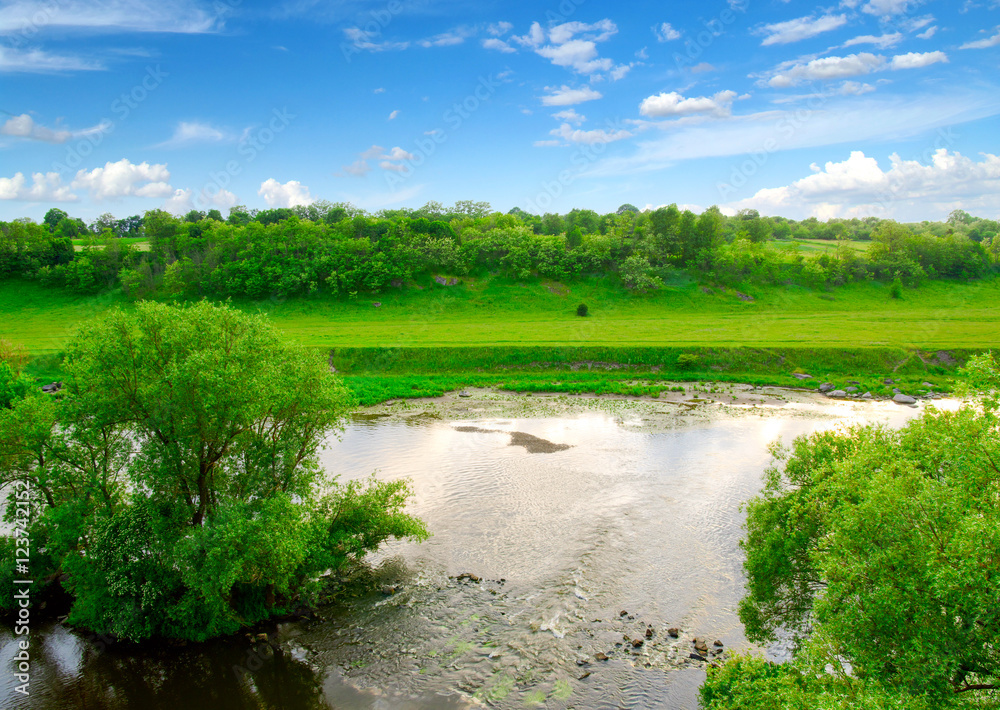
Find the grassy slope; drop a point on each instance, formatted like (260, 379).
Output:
(498, 312)
(443, 337)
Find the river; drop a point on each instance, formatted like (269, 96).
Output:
(564, 549)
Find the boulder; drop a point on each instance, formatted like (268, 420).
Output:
(825, 387)
(801, 376)
(837, 394)
(377, 304)
(904, 399)
(673, 633)
(866, 395)
(852, 389)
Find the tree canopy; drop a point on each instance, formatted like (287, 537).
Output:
(176, 482)
(879, 551)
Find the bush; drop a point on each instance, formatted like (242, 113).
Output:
(581, 310)
(896, 288)
(686, 361)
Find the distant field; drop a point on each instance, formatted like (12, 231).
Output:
(819, 246)
(139, 243)
(499, 312)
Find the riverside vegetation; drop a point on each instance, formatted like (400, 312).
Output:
(411, 303)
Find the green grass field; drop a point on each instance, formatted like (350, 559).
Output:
(812, 247)
(497, 326)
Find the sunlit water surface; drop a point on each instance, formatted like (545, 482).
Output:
(564, 543)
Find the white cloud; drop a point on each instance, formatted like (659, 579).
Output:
(800, 28)
(368, 41)
(885, 8)
(174, 16)
(448, 39)
(983, 43)
(881, 41)
(598, 135)
(932, 30)
(379, 90)
(673, 104)
(397, 167)
(859, 186)
(566, 96)
(547, 143)
(359, 168)
(498, 29)
(498, 44)
(397, 153)
(181, 202)
(916, 60)
(665, 33)
(193, 132)
(125, 179)
(393, 114)
(826, 69)
(580, 55)
(598, 32)
(570, 116)
(291, 194)
(534, 38)
(37, 61)
(572, 45)
(44, 187)
(24, 126)
(374, 152)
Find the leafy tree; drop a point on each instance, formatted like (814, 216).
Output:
(574, 238)
(878, 550)
(627, 207)
(638, 275)
(53, 217)
(177, 484)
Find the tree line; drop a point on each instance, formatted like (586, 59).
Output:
(338, 249)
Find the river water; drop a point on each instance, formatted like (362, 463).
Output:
(585, 534)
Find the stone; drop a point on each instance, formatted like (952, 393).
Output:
(889, 382)
(673, 633)
(396, 283)
(927, 384)
(464, 394)
(469, 576)
(866, 395)
(637, 643)
(649, 633)
(377, 304)
(896, 390)
(718, 643)
(852, 389)
(825, 387)
(697, 657)
(623, 613)
(744, 296)
(601, 656)
(836, 394)
(801, 376)
(700, 645)
(904, 399)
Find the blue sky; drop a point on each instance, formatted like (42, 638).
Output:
(883, 107)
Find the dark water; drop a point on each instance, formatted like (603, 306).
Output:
(563, 540)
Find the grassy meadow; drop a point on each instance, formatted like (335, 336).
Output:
(426, 338)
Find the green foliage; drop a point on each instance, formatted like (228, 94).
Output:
(177, 483)
(896, 288)
(638, 275)
(687, 361)
(878, 549)
(582, 310)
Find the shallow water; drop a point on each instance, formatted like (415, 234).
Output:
(567, 523)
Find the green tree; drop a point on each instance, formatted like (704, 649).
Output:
(178, 485)
(878, 550)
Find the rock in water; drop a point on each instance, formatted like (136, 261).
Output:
(904, 399)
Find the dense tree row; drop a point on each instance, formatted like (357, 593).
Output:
(338, 249)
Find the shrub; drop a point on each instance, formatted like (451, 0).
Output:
(686, 361)
(581, 310)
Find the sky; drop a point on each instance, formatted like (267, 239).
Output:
(863, 107)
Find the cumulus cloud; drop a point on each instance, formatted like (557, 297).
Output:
(498, 29)
(666, 105)
(885, 8)
(371, 41)
(398, 153)
(498, 44)
(567, 96)
(183, 201)
(800, 28)
(932, 30)
(915, 60)
(859, 185)
(359, 168)
(577, 54)
(394, 114)
(448, 39)
(125, 179)
(292, 194)
(572, 45)
(570, 116)
(598, 135)
(24, 126)
(665, 32)
(833, 68)
(43, 187)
